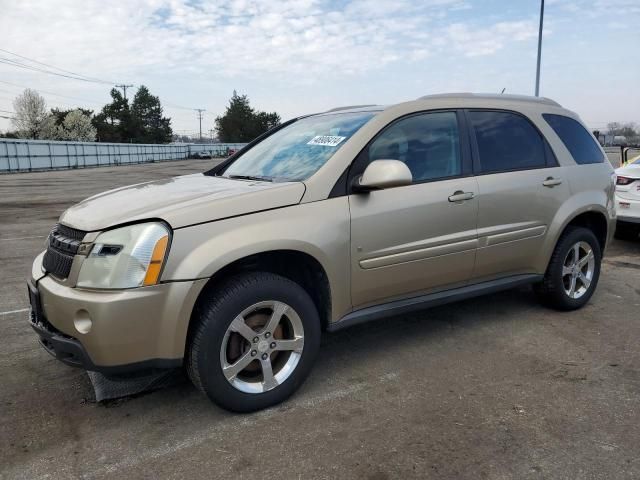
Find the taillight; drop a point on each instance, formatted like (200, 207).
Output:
(624, 180)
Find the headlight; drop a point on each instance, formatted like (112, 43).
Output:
(126, 257)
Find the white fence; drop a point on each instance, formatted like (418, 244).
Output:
(18, 155)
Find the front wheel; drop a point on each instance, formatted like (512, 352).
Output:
(573, 271)
(255, 342)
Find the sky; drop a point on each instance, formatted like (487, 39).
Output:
(304, 56)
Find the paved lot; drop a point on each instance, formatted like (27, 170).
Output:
(495, 388)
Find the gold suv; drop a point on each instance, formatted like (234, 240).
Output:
(327, 221)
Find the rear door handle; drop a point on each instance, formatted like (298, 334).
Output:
(551, 182)
(460, 196)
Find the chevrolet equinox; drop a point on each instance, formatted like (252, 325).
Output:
(326, 221)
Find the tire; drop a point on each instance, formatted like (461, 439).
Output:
(217, 348)
(555, 289)
(627, 231)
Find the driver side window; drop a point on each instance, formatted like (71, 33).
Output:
(429, 144)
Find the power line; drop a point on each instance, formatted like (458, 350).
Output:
(13, 63)
(58, 68)
(50, 103)
(96, 102)
(61, 104)
(165, 105)
(75, 76)
(180, 107)
(51, 93)
(67, 74)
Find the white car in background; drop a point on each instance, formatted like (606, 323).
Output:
(203, 154)
(628, 200)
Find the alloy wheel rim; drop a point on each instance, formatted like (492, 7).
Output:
(262, 347)
(578, 269)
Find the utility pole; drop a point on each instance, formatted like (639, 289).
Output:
(539, 48)
(124, 89)
(200, 110)
(211, 134)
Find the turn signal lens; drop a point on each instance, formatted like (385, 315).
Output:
(155, 265)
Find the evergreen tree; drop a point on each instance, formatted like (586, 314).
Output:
(113, 123)
(148, 124)
(142, 122)
(241, 123)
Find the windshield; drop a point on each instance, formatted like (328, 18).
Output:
(297, 151)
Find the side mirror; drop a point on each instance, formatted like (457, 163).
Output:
(382, 174)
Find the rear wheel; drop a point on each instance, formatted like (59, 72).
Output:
(627, 231)
(255, 342)
(573, 271)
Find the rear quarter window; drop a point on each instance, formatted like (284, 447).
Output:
(579, 142)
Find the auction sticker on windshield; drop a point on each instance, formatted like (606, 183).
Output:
(326, 140)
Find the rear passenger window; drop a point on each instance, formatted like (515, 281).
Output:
(579, 142)
(506, 141)
(428, 144)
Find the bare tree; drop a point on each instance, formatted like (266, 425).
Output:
(629, 131)
(30, 113)
(613, 128)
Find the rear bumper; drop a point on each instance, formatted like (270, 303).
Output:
(627, 210)
(113, 331)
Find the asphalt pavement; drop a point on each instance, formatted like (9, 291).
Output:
(497, 387)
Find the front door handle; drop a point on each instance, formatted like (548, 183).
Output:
(551, 182)
(460, 196)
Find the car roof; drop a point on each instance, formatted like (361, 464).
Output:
(457, 100)
(350, 109)
(492, 97)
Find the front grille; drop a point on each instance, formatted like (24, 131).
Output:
(62, 245)
(69, 232)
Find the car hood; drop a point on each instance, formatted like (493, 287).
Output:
(181, 201)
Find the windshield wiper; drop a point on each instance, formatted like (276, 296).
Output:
(251, 177)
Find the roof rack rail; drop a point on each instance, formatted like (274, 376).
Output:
(493, 96)
(349, 107)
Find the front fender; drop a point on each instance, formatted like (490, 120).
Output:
(319, 229)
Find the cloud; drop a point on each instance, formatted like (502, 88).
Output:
(195, 52)
(307, 38)
(472, 42)
(597, 8)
